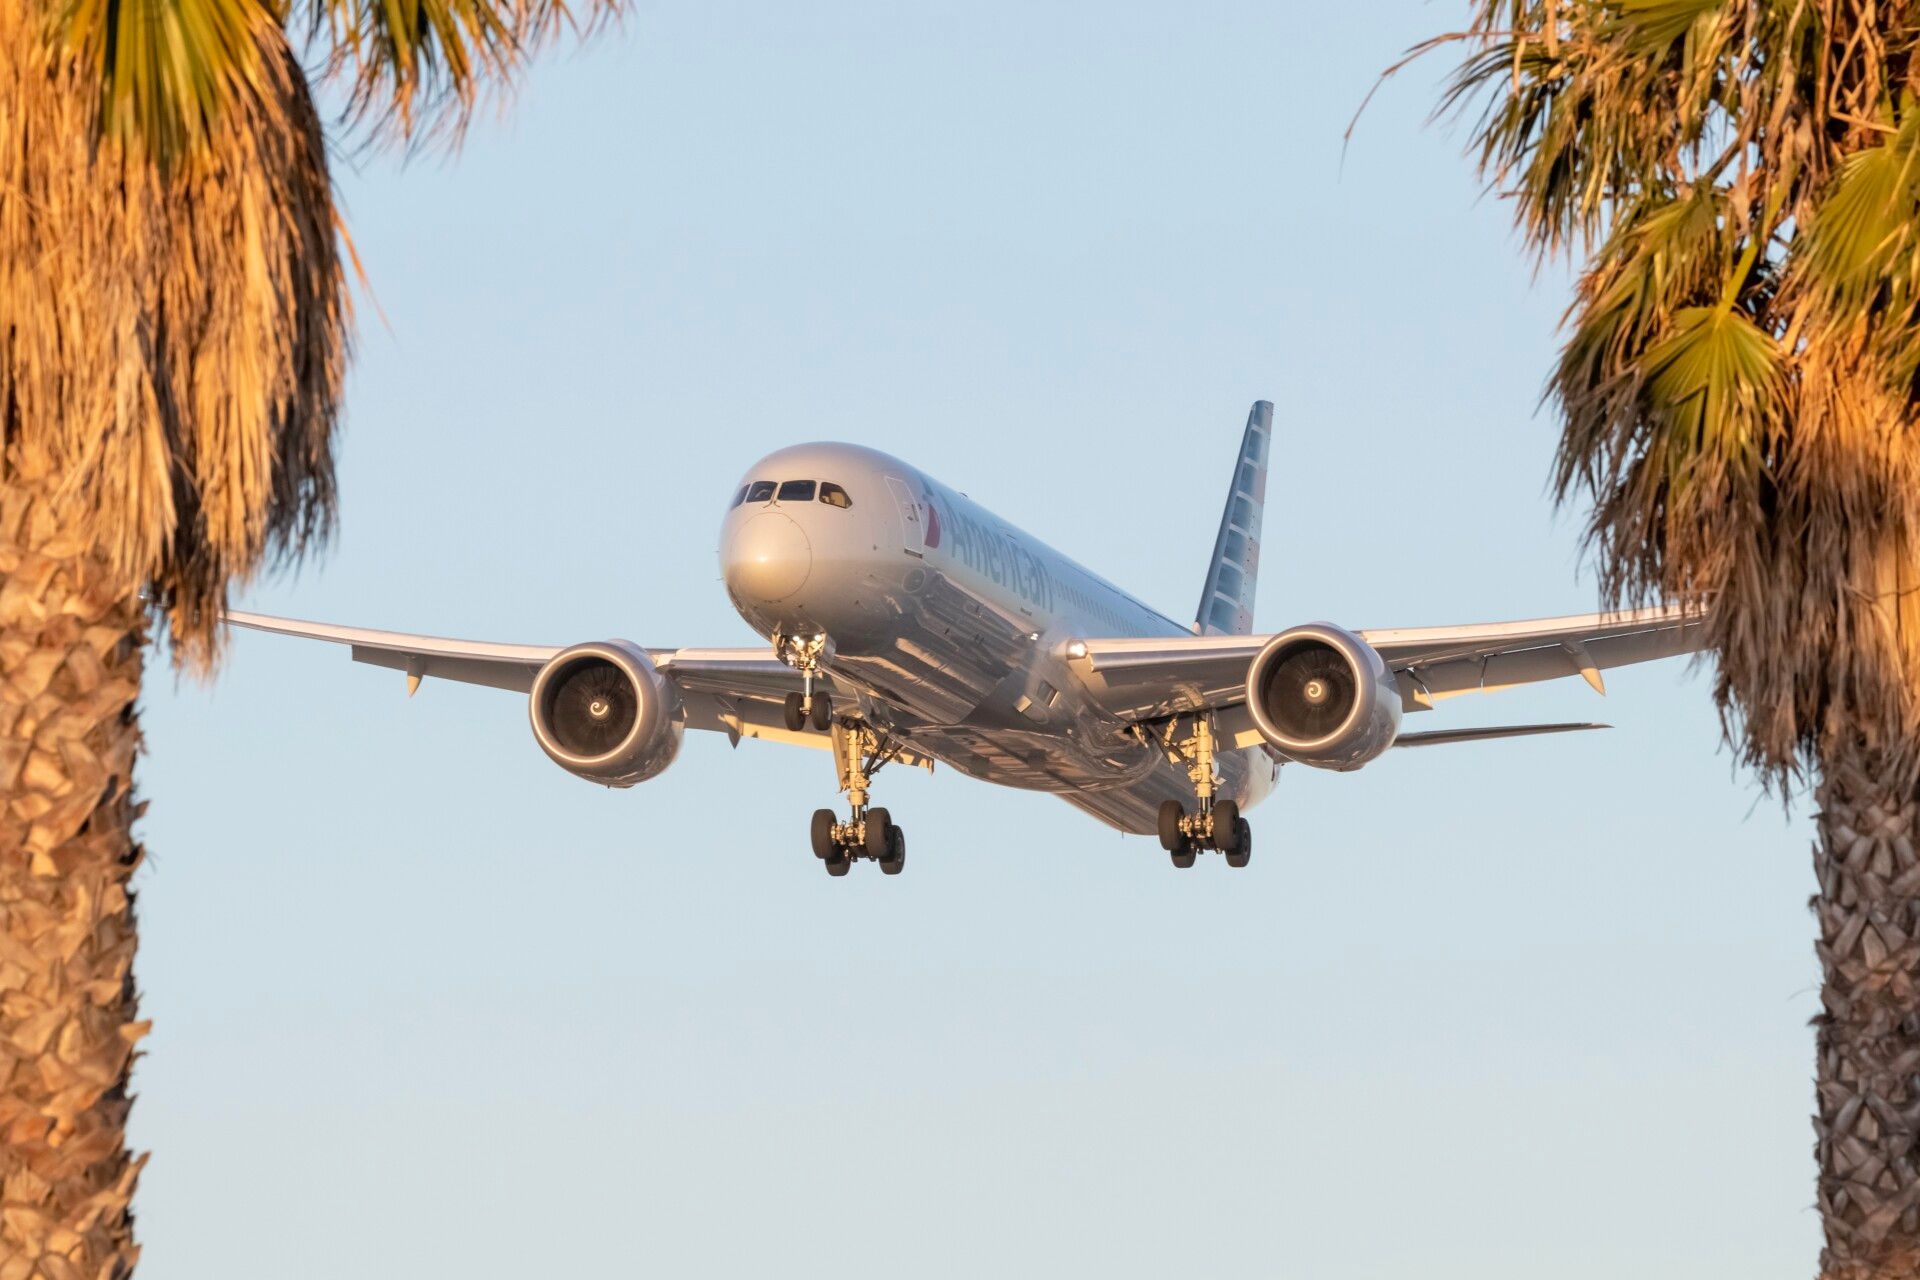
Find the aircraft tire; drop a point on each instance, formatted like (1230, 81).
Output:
(896, 858)
(1242, 845)
(1183, 858)
(879, 833)
(822, 833)
(837, 866)
(1226, 826)
(796, 717)
(1171, 838)
(821, 716)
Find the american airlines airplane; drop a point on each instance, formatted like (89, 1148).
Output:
(906, 623)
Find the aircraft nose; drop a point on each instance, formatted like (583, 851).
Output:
(766, 559)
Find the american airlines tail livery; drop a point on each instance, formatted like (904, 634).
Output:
(906, 623)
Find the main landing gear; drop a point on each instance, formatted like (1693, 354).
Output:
(1215, 824)
(858, 754)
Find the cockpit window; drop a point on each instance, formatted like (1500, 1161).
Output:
(760, 491)
(833, 495)
(739, 497)
(797, 491)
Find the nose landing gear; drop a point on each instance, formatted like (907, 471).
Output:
(1214, 824)
(859, 753)
(810, 708)
(805, 655)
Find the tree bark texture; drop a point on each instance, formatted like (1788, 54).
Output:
(71, 643)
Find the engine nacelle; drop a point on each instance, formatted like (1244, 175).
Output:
(1324, 697)
(602, 711)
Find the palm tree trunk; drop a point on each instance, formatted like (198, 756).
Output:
(71, 642)
(1867, 861)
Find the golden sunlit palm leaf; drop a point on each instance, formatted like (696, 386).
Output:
(1712, 394)
(1575, 122)
(419, 67)
(1654, 26)
(1667, 253)
(1863, 238)
(166, 69)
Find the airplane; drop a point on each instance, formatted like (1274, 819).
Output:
(904, 623)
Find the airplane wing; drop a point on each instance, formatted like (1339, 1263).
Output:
(1156, 678)
(737, 692)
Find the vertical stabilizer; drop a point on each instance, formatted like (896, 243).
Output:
(1226, 605)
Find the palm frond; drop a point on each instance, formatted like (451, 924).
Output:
(1653, 27)
(418, 68)
(165, 69)
(1712, 397)
(1583, 106)
(1859, 250)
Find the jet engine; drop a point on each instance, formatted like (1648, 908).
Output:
(603, 712)
(1324, 697)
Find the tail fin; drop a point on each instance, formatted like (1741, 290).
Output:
(1226, 605)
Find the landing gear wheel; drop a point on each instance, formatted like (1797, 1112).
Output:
(837, 866)
(1226, 826)
(796, 715)
(896, 852)
(1242, 845)
(879, 834)
(821, 716)
(1172, 839)
(1183, 857)
(823, 846)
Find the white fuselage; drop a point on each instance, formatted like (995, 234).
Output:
(946, 626)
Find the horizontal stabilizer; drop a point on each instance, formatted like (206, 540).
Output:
(1440, 737)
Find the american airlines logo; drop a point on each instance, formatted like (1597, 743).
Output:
(933, 522)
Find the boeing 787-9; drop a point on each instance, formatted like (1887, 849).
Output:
(906, 623)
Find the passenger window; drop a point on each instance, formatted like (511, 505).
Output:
(739, 497)
(797, 491)
(833, 495)
(761, 491)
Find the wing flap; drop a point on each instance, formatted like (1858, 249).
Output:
(496, 673)
(1402, 646)
(729, 672)
(1573, 656)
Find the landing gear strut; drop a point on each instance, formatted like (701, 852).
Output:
(805, 654)
(1214, 824)
(859, 753)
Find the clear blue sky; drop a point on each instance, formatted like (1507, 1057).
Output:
(427, 1006)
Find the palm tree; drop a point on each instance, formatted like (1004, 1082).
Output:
(1739, 392)
(173, 330)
